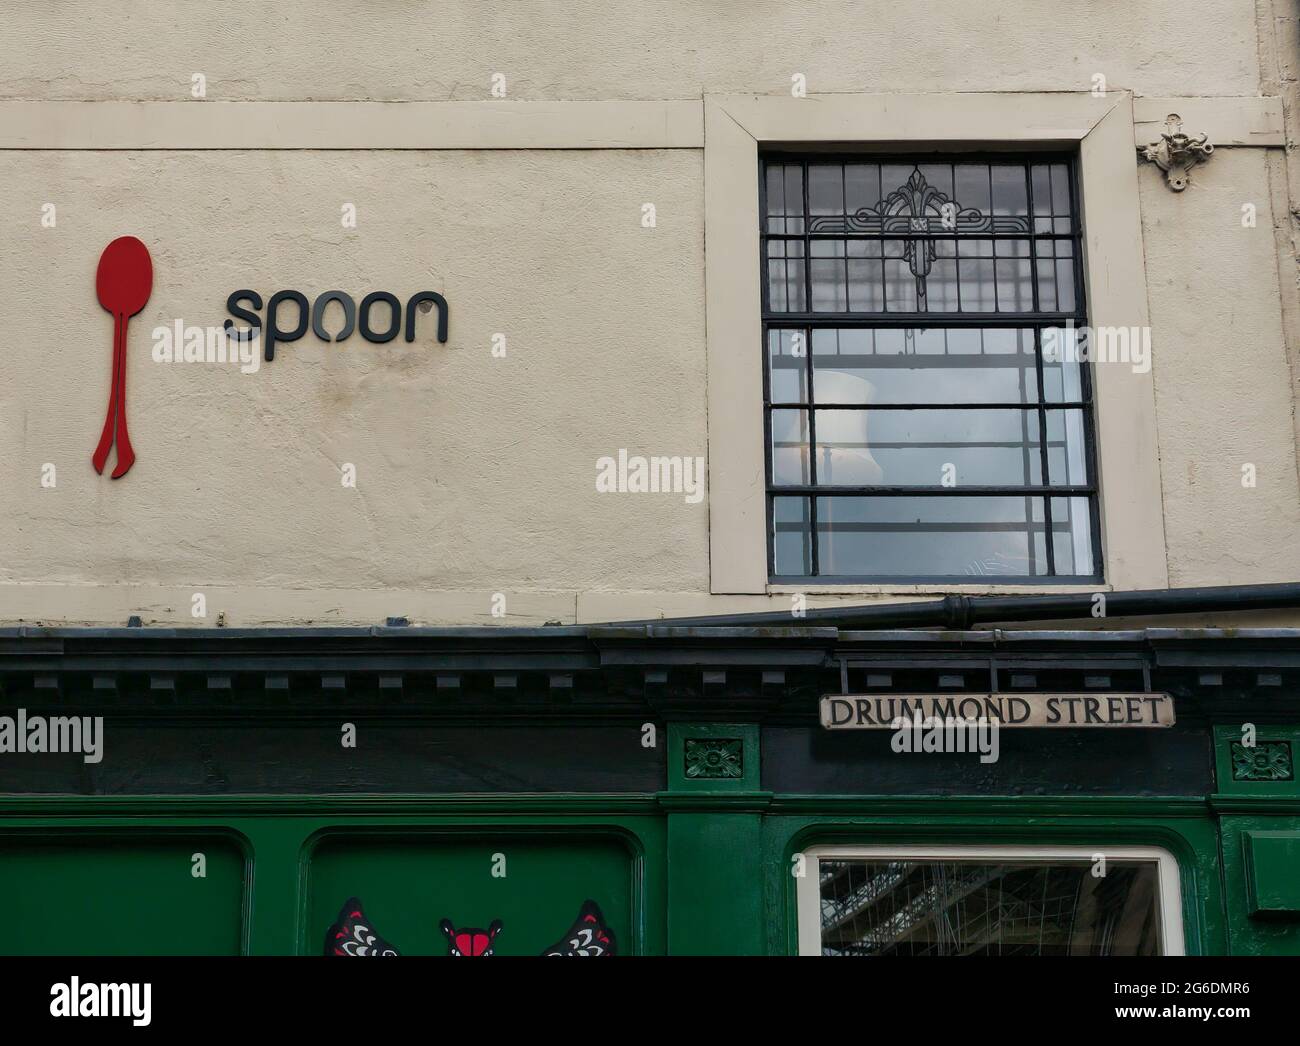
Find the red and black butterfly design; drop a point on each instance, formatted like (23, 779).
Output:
(352, 934)
(470, 941)
(587, 936)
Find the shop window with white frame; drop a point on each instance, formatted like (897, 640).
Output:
(1004, 900)
(927, 411)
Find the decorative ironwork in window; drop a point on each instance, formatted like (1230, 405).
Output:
(916, 429)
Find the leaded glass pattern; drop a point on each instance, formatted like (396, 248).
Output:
(914, 427)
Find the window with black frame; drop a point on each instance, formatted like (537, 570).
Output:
(928, 406)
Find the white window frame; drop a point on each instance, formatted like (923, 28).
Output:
(1132, 555)
(1170, 899)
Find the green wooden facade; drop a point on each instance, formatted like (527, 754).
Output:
(702, 863)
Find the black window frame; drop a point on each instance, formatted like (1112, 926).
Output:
(808, 321)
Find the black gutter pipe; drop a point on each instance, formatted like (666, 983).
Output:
(962, 612)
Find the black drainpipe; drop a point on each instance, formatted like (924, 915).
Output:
(962, 612)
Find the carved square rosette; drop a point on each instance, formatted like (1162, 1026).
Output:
(1266, 761)
(714, 759)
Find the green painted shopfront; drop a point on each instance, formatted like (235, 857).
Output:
(648, 789)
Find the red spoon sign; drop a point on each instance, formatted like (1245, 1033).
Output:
(123, 283)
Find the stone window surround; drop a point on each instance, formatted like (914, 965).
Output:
(1102, 128)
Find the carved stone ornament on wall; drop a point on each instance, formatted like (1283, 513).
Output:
(714, 758)
(1176, 153)
(1265, 761)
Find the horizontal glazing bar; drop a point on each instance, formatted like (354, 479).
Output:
(1079, 490)
(933, 579)
(1019, 527)
(923, 320)
(1032, 406)
(904, 237)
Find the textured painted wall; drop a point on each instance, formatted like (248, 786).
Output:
(355, 49)
(1223, 386)
(472, 471)
(475, 475)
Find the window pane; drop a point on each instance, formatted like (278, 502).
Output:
(826, 188)
(900, 280)
(925, 365)
(976, 276)
(1041, 183)
(1072, 536)
(1064, 349)
(775, 186)
(785, 198)
(1055, 274)
(790, 447)
(1066, 450)
(971, 186)
(1015, 288)
(785, 272)
(941, 289)
(937, 536)
(829, 284)
(1061, 204)
(861, 186)
(939, 177)
(1065, 290)
(902, 907)
(791, 536)
(928, 448)
(1010, 190)
(787, 355)
(866, 277)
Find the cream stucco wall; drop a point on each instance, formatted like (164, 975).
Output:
(448, 50)
(473, 470)
(1224, 394)
(475, 473)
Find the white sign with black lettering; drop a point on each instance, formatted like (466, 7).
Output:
(882, 711)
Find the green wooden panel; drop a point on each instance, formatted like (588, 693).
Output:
(1249, 933)
(727, 856)
(715, 900)
(1257, 800)
(1273, 871)
(411, 881)
(122, 893)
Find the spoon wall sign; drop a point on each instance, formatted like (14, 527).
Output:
(315, 314)
(123, 282)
